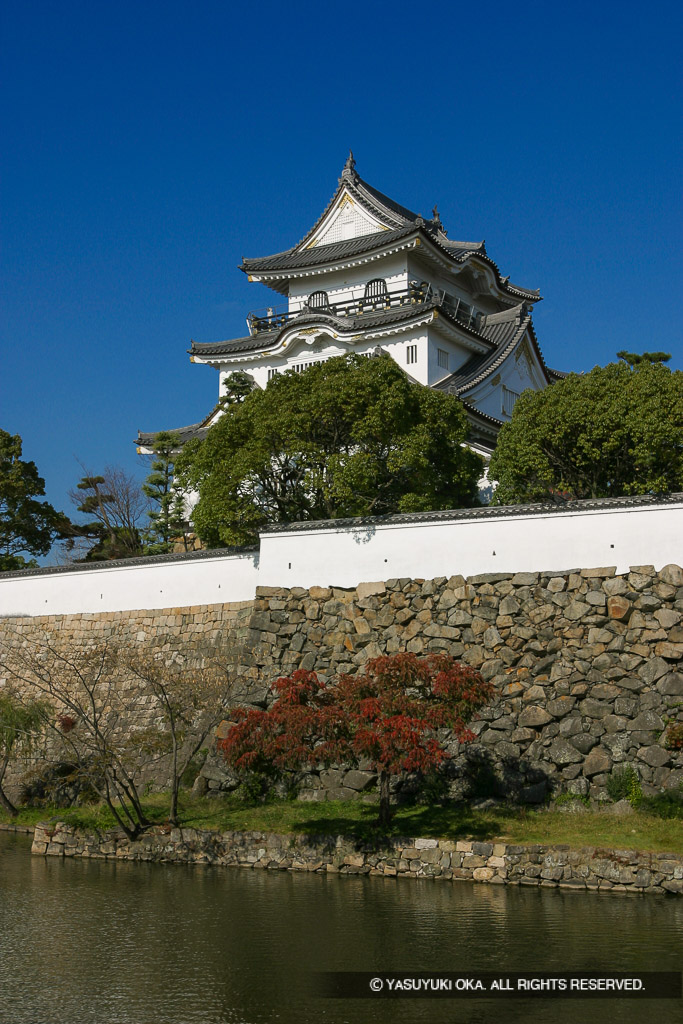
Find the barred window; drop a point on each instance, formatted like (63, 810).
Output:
(411, 352)
(442, 358)
(318, 300)
(300, 367)
(376, 289)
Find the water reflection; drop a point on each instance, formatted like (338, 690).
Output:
(89, 941)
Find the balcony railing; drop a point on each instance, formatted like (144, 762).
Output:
(273, 317)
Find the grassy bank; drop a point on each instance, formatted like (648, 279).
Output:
(640, 830)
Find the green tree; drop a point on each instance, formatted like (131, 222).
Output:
(20, 725)
(26, 524)
(167, 517)
(350, 436)
(116, 504)
(633, 359)
(615, 431)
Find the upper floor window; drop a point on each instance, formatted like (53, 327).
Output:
(442, 358)
(411, 354)
(509, 399)
(376, 289)
(300, 367)
(318, 300)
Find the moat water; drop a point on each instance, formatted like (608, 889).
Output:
(92, 942)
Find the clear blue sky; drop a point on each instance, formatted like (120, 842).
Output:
(148, 146)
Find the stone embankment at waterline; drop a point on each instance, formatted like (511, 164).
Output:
(624, 871)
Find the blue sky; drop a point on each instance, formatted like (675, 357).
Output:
(147, 147)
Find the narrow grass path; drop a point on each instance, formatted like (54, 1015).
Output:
(640, 830)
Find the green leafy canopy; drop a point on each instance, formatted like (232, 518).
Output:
(350, 436)
(615, 431)
(26, 525)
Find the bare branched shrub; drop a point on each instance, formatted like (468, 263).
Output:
(193, 690)
(119, 714)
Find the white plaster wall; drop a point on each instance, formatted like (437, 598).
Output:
(457, 357)
(623, 537)
(347, 556)
(309, 348)
(176, 584)
(344, 285)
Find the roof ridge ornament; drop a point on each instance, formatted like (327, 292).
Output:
(350, 173)
(435, 223)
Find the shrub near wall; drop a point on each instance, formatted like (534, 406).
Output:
(166, 630)
(584, 663)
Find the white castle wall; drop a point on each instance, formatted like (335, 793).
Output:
(585, 535)
(152, 583)
(516, 543)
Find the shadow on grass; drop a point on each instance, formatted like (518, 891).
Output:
(460, 822)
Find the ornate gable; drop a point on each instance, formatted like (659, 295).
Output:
(346, 219)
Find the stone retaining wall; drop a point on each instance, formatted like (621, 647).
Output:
(446, 859)
(169, 626)
(585, 666)
(169, 630)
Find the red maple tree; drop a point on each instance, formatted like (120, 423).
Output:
(391, 716)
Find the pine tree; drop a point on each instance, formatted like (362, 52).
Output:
(167, 518)
(116, 504)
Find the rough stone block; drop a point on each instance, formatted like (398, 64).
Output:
(672, 574)
(364, 590)
(534, 716)
(597, 761)
(655, 756)
(618, 607)
(672, 652)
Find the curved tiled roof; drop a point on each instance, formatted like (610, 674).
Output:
(295, 259)
(505, 330)
(265, 340)
(355, 248)
(487, 512)
(400, 222)
(252, 343)
(145, 439)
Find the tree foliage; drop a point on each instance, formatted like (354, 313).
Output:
(635, 359)
(391, 716)
(350, 436)
(116, 505)
(168, 521)
(615, 431)
(26, 524)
